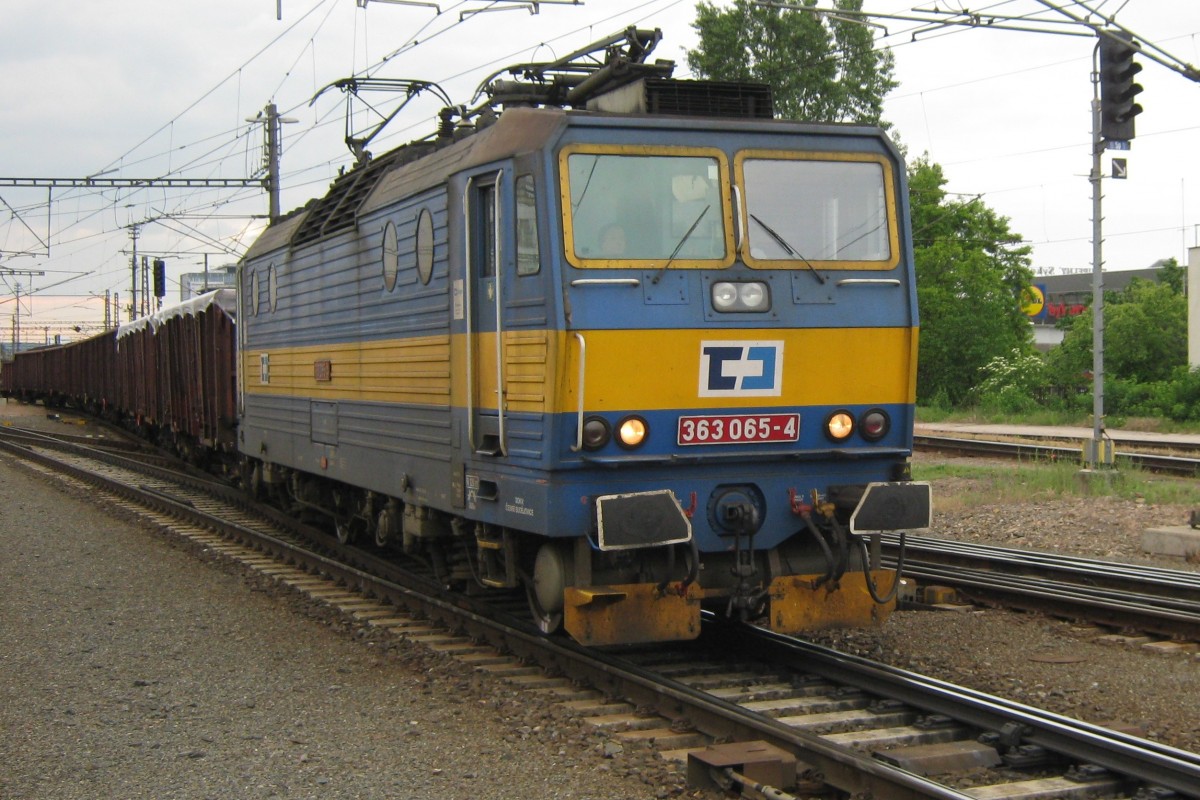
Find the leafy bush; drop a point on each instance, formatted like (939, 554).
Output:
(1176, 399)
(1013, 383)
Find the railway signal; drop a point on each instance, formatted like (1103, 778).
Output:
(160, 279)
(1117, 89)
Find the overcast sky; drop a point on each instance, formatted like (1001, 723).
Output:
(142, 88)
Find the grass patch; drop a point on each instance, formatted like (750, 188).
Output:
(969, 485)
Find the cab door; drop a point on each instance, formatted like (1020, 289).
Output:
(484, 317)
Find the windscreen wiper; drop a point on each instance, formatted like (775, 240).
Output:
(791, 251)
(658, 275)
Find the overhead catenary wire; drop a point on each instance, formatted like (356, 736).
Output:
(304, 175)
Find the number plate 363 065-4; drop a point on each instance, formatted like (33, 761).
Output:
(738, 429)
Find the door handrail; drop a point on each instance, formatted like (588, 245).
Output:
(468, 279)
(579, 414)
(497, 250)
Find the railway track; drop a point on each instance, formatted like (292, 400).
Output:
(1040, 451)
(853, 727)
(1154, 600)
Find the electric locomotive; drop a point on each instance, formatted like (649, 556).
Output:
(625, 343)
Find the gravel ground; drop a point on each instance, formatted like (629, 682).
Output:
(132, 668)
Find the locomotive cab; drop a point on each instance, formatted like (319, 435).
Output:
(747, 359)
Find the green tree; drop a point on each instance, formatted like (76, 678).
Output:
(1145, 335)
(1172, 274)
(820, 69)
(970, 273)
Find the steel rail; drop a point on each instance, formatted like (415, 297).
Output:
(1114, 609)
(1150, 762)
(117, 442)
(1148, 598)
(1174, 465)
(1048, 435)
(1146, 578)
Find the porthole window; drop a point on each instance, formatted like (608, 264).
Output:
(425, 245)
(391, 257)
(273, 286)
(252, 301)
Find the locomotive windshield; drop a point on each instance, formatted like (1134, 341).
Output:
(671, 206)
(652, 209)
(801, 208)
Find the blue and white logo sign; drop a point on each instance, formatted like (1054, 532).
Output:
(741, 369)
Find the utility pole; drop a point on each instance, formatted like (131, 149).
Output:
(133, 284)
(30, 273)
(273, 147)
(145, 286)
(272, 162)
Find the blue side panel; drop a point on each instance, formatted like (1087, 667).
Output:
(333, 294)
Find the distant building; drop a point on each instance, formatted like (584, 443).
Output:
(192, 284)
(6, 349)
(1068, 295)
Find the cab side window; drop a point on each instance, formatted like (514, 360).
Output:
(528, 259)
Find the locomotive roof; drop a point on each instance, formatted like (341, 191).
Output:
(516, 131)
(417, 167)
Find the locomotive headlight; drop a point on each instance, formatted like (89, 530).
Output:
(631, 432)
(596, 433)
(728, 296)
(725, 296)
(874, 424)
(839, 425)
(753, 296)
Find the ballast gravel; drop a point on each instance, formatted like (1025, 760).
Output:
(130, 668)
(134, 666)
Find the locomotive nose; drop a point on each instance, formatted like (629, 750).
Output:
(736, 510)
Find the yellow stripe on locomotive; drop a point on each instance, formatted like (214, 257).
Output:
(539, 365)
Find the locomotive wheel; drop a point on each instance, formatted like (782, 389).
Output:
(547, 622)
(387, 525)
(553, 570)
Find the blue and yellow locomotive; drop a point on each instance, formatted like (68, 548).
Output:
(653, 353)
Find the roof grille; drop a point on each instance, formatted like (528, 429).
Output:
(338, 210)
(689, 98)
(709, 98)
